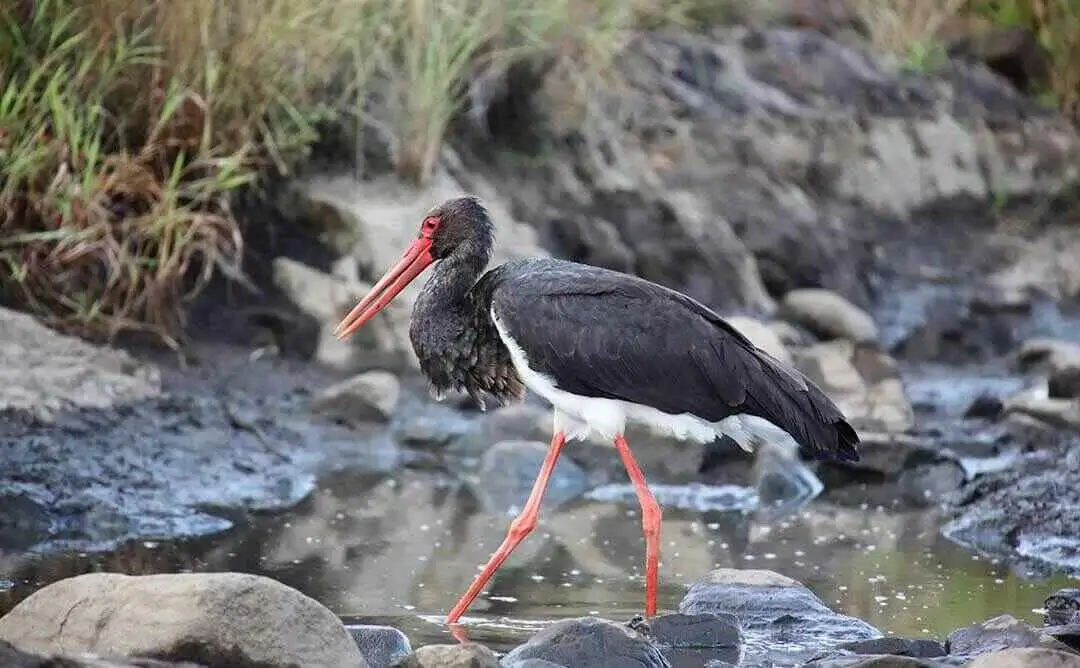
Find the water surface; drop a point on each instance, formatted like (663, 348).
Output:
(400, 548)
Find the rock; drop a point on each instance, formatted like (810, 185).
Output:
(1026, 657)
(1067, 634)
(589, 641)
(1056, 413)
(380, 645)
(1062, 607)
(792, 144)
(828, 315)
(693, 639)
(467, 655)
(368, 397)
(919, 648)
(43, 373)
(985, 407)
(1045, 264)
(871, 661)
(1011, 51)
(1028, 514)
(326, 298)
(1050, 354)
(863, 381)
(508, 470)
(778, 611)
(10, 657)
(1064, 384)
(533, 663)
(246, 620)
(999, 633)
(761, 335)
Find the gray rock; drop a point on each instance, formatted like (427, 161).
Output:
(1049, 354)
(871, 661)
(592, 642)
(920, 648)
(212, 618)
(1064, 383)
(1062, 607)
(694, 639)
(326, 298)
(367, 397)
(1028, 515)
(863, 381)
(467, 655)
(996, 634)
(43, 373)
(828, 315)
(1027, 657)
(791, 157)
(508, 470)
(775, 612)
(11, 657)
(1067, 634)
(380, 645)
(533, 663)
(1055, 413)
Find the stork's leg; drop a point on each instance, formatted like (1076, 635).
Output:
(650, 523)
(521, 526)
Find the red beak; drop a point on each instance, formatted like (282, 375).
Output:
(417, 258)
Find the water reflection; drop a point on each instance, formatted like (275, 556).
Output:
(401, 548)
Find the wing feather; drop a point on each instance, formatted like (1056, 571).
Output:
(604, 334)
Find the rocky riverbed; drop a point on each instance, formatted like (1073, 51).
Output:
(906, 239)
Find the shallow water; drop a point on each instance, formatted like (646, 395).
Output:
(400, 548)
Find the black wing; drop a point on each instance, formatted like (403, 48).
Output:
(601, 333)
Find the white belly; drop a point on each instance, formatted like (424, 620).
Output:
(578, 417)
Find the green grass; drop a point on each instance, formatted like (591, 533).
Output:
(126, 126)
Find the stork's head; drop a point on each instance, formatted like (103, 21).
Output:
(457, 227)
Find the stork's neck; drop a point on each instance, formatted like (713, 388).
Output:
(443, 297)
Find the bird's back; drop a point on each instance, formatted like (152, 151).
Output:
(604, 334)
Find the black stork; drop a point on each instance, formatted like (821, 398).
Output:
(604, 348)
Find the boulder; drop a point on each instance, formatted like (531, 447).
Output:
(213, 618)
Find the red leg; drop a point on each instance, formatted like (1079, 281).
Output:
(522, 526)
(650, 523)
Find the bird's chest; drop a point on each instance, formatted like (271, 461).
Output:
(445, 350)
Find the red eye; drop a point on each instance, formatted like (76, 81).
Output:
(428, 227)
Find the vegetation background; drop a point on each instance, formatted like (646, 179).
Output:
(128, 128)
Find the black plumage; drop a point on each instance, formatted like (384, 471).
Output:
(604, 334)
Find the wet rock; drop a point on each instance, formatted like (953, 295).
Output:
(1056, 413)
(508, 470)
(985, 407)
(998, 633)
(863, 381)
(43, 373)
(694, 639)
(1049, 354)
(380, 645)
(367, 397)
(919, 648)
(1026, 657)
(524, 421)
(245, 620)
(1028, 514)
(828, 315)
(1062, 607)
(1064, 384)
(466, 655)
(592, 642)
(761, 335)
(774, 612)
(326, 298)
(1067, 634)
(871, 661)
(10, 657)
(533, 663)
